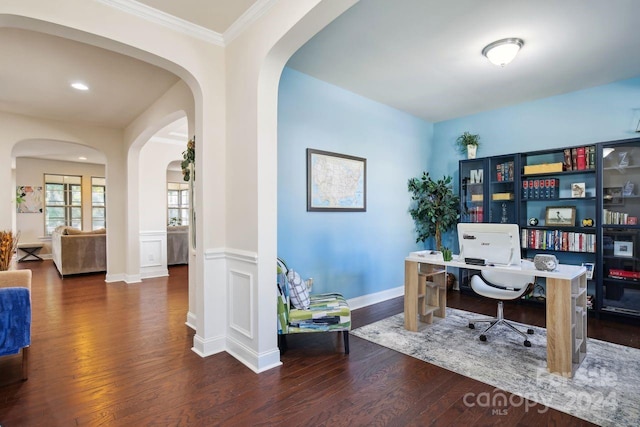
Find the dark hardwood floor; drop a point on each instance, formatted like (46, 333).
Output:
(117, 354)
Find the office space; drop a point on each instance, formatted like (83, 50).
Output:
(360, 256)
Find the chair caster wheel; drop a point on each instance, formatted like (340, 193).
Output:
(472, 326)
(527, 343)
(484, 338)
(530, 331)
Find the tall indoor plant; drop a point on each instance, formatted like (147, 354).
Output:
(436, 207)
(468, 143)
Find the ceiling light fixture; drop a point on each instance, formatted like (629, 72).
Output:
(82, 158)
(79, 86)
(503, 51)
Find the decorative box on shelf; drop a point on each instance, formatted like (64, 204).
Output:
(543, 168)
(502, 196)
(476, 197)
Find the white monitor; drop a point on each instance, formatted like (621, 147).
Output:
(497, 244)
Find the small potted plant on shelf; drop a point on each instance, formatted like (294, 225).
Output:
(436, 207)
(468, 143)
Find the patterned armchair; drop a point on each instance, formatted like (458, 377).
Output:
(300, 312)
(15, 315)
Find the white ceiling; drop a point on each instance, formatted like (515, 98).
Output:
(424, 56)
(419, 56)
(215, 15)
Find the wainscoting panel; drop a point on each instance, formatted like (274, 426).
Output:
(241, 299)
(153, 254)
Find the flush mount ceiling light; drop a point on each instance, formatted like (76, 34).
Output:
(503, 51)
(79, 86)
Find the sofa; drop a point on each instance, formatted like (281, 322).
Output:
(75, 251)
(177, 244)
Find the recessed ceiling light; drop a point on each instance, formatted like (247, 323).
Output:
(79, 86)
(82, 158)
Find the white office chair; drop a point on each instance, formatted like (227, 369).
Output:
(501, 286)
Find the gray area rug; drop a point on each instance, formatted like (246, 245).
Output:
(604, 390)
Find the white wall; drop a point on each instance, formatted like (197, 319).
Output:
(31, 171)
(235, 120)
(154, 158)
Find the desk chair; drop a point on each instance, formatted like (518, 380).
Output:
(501, 286)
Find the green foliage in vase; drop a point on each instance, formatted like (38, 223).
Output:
(189, 159)
(435, 208)
(467, 139)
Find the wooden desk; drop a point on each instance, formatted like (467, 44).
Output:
(566, 304)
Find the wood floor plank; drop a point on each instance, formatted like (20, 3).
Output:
(120, 355)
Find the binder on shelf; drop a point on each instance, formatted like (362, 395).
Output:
(525, 189)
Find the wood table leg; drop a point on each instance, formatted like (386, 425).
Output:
(559, 340)
(411, 295)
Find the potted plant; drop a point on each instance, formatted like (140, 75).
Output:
(436, 207)
(468, 143)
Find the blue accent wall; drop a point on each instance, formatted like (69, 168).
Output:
(356, 253)
(362, 253)
(603, 113)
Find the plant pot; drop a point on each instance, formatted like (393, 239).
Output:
(471, 151)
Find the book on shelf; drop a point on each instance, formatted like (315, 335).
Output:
(581, 162)
(557, 240)
(624, 274)
(568, 165)
(574, 158)
(525, 189)
(592, 157)
(477, 197)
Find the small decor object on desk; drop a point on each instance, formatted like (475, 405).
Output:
(468, 143)
(8, 245)
(589, 266)
(545, 262)
(533, 221)
(446, 254)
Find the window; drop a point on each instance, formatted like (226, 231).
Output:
(178, 203)
(98, 203)
(63, 202)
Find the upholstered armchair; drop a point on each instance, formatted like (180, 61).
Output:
(299, 311)
(15, 315)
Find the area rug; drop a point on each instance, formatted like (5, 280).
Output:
(604, 390)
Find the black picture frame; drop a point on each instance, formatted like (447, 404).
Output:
(336, 182)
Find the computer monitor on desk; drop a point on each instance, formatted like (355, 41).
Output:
(485, 243)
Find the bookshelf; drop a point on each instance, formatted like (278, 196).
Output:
(581, 204)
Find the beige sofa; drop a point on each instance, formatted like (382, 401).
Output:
(76, 251)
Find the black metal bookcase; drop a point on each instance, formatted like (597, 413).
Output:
(583, 207)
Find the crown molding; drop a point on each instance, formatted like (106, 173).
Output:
(250, 16)
(154, 15)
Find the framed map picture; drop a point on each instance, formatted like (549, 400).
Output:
(336, 182)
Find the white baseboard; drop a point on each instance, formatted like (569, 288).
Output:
(370, 299)
(191, 320)
(208, 347)
(257, 362)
